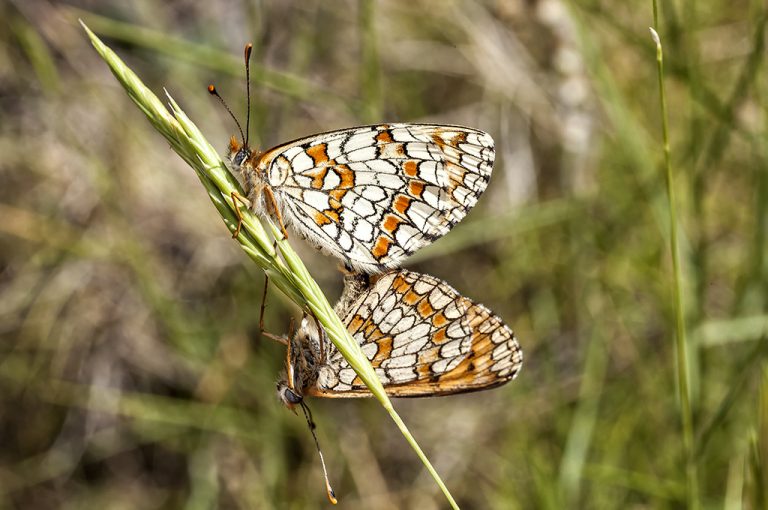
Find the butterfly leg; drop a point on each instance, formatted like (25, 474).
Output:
(237, 197)
(276, 338)
(272, 206)
(279, 339)
(289, 358)
(263, 303)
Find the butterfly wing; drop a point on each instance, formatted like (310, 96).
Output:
(372, 195)
(423, 339)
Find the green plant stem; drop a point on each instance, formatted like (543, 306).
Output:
(284, 268)
(680, 338)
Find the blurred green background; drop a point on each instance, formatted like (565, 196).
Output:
(132, 373)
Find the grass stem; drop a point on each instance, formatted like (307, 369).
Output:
(681, 345)
(283, 266)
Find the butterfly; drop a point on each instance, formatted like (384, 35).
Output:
(369, 195)
(421, 336)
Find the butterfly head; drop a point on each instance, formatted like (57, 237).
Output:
(288, 396)
(238, 153)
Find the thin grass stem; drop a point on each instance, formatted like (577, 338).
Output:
(681, 345)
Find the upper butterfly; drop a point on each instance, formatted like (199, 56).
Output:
(369, 195)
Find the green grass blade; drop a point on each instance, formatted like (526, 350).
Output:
(283, 83)
(754, 359)
(284, 267)
(681, 345)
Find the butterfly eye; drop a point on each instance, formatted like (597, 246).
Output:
(287, 395)
(291, 396)
(241, 156)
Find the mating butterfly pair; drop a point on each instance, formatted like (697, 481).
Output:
(371, 196)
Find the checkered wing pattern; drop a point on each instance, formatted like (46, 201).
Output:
(423, 339)
(373, 195)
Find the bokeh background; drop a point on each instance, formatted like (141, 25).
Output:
(132, 372)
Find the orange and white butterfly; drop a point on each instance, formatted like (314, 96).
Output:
(421, 336)
(369, 195)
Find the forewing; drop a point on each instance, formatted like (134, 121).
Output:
(372, 195)
(423, 339)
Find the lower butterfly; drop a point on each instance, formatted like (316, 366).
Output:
(421, 336)
(369, 195)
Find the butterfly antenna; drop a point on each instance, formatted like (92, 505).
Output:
(248, 50)
(311, 424)
(212, 91)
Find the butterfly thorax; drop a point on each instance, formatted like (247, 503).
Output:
(319, 351)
